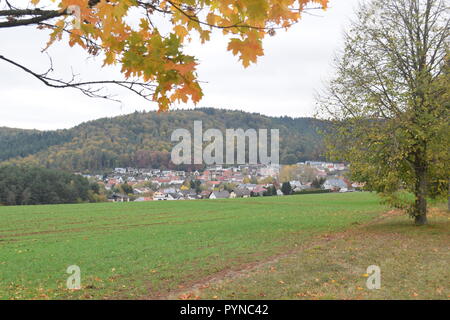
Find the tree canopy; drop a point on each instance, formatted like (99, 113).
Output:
(146, 37)
(26, 185)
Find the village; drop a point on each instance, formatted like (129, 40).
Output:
(218, 182)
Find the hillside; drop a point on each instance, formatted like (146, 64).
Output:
(21, 142)
(142, 139)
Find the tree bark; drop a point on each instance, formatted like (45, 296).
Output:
(420, 205)
(448, 197)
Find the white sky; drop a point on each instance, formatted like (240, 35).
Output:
(295, 65)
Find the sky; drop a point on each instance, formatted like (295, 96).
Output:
(296, 65)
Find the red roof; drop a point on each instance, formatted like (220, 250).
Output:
(259, 189)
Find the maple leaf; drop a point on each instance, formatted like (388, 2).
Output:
(105, 28)
(248, 50)
(181, 31)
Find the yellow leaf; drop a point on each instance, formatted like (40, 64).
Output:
(180, 31)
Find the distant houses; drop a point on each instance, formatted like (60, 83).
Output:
(218, 182)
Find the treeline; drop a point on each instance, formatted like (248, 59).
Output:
(142, 139)
(29, 186)
(21, 143)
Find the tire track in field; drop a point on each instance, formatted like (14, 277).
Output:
(191, 290)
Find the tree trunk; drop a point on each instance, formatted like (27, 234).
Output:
(448, 197)
(421, 219)
(420, 205)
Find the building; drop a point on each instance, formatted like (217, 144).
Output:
(334, 184)
(219, 195)
(118, 197)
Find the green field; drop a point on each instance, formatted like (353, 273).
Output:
(192, 249)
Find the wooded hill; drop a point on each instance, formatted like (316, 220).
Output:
(142, 139)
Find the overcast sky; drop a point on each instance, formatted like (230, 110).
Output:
(295, 65)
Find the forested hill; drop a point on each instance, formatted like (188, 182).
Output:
(20, 142)
(142, 139)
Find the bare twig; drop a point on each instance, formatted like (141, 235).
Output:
(145, 90)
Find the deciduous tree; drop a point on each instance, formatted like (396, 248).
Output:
(390, 101)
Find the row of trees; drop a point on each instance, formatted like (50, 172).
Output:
(30, 186)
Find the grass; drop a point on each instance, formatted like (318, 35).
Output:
(413, 261)
(166, 249)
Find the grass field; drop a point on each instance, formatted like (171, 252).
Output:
(298, 247)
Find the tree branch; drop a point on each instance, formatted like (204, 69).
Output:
(39, 16)
(145, 90)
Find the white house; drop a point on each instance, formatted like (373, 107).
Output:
(331, 184)
(159, 196)
(219, 195)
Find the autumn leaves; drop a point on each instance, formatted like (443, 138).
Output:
(144, 52)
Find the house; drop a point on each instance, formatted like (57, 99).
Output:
(159, 196)
(237, 178)
(214, 183)
(305, 186)
(358, 185)
(193, 196)
(140, 190)
(176, 182)
(269, 171)
(334, 184)
(169, 190)
(259, 190)
(205, 194)
(174, 196)
(143, 199)
(240, 193)
(248, 186)
(189, 194)
(295, 184)
(163, 180)
(219, 195)
(118, 197)
(120, 170)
